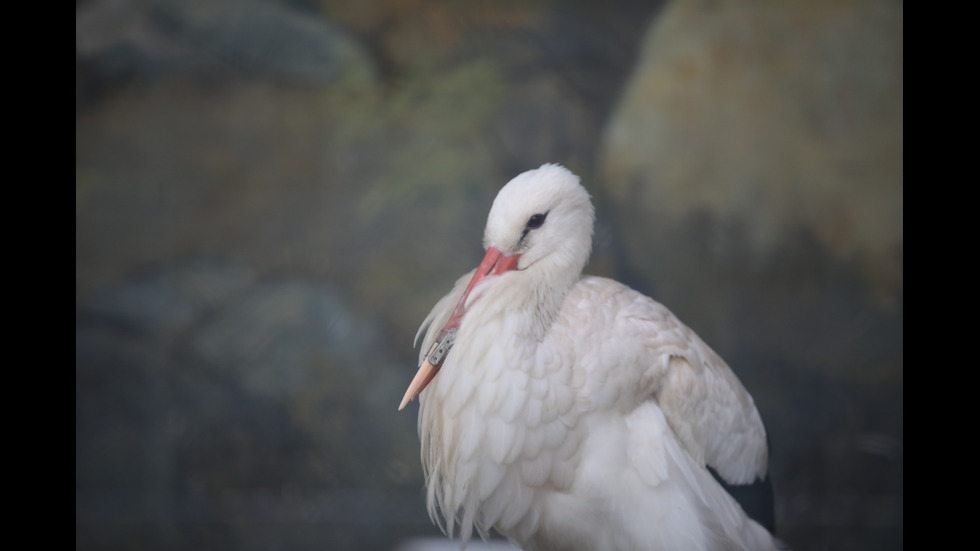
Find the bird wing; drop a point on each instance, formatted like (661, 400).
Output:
(705, 404)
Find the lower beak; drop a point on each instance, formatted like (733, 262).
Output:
(493, 263)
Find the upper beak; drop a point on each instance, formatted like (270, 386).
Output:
(493, 263)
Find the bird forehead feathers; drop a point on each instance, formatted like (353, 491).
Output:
(549, 188)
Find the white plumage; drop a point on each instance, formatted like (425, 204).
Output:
(572, 412)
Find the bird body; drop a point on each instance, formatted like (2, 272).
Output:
(573, 412)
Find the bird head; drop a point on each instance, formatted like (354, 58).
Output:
(543, 215)
(540, 224)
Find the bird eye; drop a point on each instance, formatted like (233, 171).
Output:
(536, 221)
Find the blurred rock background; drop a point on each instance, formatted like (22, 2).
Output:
(270, 195)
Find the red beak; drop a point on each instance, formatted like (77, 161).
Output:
(493, 263)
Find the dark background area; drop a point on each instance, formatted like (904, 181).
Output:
(271, 195)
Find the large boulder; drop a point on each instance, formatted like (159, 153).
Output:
(755, 166)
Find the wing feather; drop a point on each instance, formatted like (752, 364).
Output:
(704, 402)
(702, 399)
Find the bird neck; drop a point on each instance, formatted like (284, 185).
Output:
(537, 297)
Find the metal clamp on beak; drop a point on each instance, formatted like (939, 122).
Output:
(439, 349)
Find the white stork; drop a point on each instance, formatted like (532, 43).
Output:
(573, 412)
